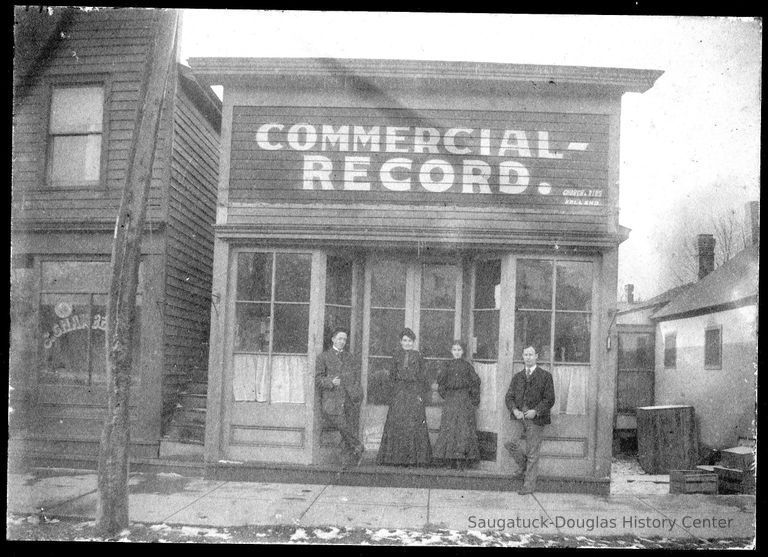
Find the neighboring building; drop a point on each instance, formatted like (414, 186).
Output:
(458, 199)
(706, 351)
(696, 345)
(77, 76)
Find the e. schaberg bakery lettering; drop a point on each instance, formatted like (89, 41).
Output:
(536, 157)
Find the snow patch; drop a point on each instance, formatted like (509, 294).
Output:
(299, 534)
(169, 475)
(333, 533)
(205, 532)
(157, 527)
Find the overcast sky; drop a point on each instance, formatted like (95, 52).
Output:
(690, 146)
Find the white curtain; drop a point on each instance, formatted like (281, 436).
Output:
(250, 378)
(288, 373)
(570, 389)
(486, 412)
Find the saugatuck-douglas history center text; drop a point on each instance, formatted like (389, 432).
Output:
(590, 523)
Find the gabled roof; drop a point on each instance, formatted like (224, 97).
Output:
(657, 301)
(733, 284)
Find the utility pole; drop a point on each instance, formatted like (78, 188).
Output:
(112, 509)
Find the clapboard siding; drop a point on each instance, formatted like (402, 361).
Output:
(108, 46)
(189, 253)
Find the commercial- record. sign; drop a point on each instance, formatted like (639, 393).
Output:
(475, 157)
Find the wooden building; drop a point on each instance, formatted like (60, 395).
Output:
(463, 200)
(77, 76)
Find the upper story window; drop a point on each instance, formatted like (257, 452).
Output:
(713, 348)
(75, 133)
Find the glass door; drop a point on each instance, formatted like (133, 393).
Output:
(424, 296)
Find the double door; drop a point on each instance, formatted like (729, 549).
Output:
(426, 297)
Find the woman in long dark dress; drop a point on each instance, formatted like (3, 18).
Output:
(459, 386)
(405, 441)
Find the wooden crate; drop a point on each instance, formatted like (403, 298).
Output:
(666, 439)
(733, 480)
(740, 458)
(692, 481)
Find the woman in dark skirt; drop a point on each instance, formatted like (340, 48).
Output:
(405, 441)
(459, 386)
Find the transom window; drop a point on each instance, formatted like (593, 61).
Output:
(75, 134)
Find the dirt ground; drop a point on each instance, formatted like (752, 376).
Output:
(628, 478)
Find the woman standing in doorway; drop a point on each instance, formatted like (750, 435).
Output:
(459, 386)
(405, 441)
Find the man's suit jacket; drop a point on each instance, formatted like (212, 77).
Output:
(537, 393)
(331, 364)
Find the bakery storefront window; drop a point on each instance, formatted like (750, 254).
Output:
(73, 321)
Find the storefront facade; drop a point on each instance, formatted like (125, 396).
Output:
(462, 200)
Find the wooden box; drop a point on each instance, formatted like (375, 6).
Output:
(740, 458)
(666, 439)
(732, 480)
(692, 481)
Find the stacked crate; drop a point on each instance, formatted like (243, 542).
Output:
(736, 472)
(692, 481)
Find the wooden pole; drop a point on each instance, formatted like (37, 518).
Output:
(112, 508)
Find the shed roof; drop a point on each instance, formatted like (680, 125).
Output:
(732, 284)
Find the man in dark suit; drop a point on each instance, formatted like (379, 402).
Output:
(340, 394)
(529, 399)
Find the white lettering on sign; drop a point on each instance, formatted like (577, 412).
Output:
(73, 323)
(471, 175)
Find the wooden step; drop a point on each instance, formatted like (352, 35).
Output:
(188, 432)
(196, 388)
(189, 416)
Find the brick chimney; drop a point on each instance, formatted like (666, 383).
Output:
(753, 222)
(706, 244)
(630, 290)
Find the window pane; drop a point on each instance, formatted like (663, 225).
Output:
(388, 284)
(438, 286)
(574, 286)
(252, 327)
(65, 324)
(75, 158)
(436, 333)
(488, 285)
(338, 281)
(77, 276)
(386, 325)
(291, 328)
(77, 109)
(486, 329)
(254, 276)
(636, 351)
(712, 348)
(379, 384)
(292, 279)
(335, 316)
(533, 328)
(571, 337)
(534, 284)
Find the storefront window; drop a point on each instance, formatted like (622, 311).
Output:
(437, 321)
(73, 321)
(338, 298)
(553, 313)
(388, 284)
(271, 326)
(486, 310)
